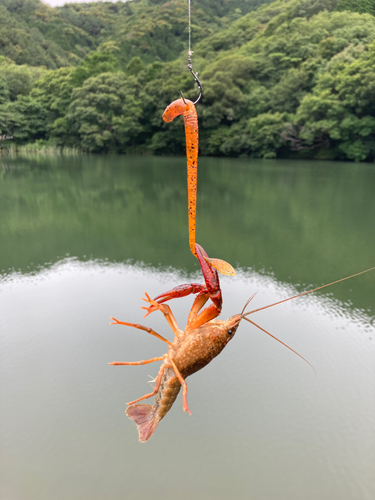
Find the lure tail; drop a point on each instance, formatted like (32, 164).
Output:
(145, 418)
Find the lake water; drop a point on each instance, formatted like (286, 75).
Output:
(81, 239)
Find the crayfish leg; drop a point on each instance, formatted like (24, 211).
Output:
(185, 406)
(206, 315)
(199, 302)
(156, 386)
(166, 310)
(141, 327)
(135, 363)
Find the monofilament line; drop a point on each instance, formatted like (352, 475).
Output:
(190, 29)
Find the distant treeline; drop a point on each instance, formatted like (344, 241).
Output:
(293, 78)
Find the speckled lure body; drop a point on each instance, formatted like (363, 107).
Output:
(187, 109)
(189, 113)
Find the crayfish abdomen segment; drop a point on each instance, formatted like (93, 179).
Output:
(169, 388)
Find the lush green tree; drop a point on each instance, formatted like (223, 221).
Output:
(4, 113)
(20, 78)
(104, 114)
(23, 119)
(309, 8)
(4, 90)
(32, 121)
(135, 66)
(341, 108)
(53, 93)
(361, 6)
(264, 133)
(94, 64)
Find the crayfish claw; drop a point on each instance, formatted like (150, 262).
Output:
(148, 298)
(149, 310)
(154, 306)
(150, 301)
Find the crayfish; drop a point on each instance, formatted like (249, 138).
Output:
(193, 348)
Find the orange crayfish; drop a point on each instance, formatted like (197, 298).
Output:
(193, 348)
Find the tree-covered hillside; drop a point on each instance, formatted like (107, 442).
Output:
(360, 6)
(33, 33)
(293, 78)
(23, 39)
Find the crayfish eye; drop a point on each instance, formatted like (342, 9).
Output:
(230, 331)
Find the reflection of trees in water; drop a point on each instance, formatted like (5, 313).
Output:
(308, 223)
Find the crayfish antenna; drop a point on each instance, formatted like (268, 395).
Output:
(305, 293)
(248, 302)
(281, 342)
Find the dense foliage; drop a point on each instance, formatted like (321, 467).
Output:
(293, 78)
(360, 6)
(32, 32)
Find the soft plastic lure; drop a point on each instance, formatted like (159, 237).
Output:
(187, 109)
(189, 113)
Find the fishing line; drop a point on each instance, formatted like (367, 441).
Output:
(190, 53)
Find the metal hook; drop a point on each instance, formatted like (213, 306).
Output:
(182, 96)
(195, 78)
(198, 83)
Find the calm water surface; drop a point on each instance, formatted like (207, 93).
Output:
(82, 238)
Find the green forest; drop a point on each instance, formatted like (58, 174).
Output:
(282, 79)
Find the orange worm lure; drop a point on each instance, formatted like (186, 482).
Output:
(189, 113)
(187, 109)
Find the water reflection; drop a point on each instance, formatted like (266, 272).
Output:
(262, 426)
(82, 238)
(307, 222)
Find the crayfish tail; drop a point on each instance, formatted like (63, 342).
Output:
(145, 418)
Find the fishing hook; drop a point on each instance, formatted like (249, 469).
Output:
(195, 78)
